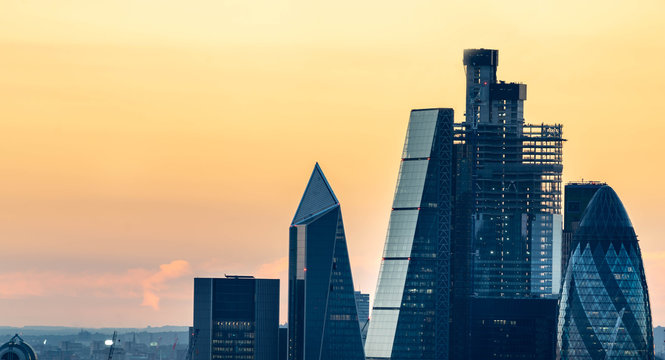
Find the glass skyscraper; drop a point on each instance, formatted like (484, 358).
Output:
(362, 304)
(410, 315)
(604, 311)
(237, 318)
(323, 319)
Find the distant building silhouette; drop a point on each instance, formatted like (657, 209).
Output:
(17, 349)
(323, 319)
(237, 318)
(604, 308)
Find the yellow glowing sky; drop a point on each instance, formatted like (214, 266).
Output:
(146, 142)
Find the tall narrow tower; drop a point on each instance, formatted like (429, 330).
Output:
(514, 178)
(323, 319)
(506, 228)
(410, 316)
(481, 67)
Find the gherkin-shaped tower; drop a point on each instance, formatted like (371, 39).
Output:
(604, 310)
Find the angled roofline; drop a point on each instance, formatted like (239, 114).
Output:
(317, 169)
(430, 109)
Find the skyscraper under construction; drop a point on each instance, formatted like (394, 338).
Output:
(506, 224)
(513, 179)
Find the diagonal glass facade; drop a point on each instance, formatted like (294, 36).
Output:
(410, 316)
(323, 318)
(604, 308)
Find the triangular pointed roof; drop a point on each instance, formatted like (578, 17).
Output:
(318, 196)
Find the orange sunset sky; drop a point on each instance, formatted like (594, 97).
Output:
(146, 142)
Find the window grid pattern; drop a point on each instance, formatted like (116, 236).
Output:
(406, 307)
(604, 308)
(323, 318)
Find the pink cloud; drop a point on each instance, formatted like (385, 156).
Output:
(136, 283)
(158, 281)
(273, 270)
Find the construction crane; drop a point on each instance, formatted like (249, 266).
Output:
(115, 336)
(192, 343)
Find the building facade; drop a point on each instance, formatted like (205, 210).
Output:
(477, 219)
(512, 172)
(513, 328)
(283, 343)
(362, 304)
(410, 314)
(506, 202)
(604, 309)
(576, 198)
(237, 318)
(323, 319)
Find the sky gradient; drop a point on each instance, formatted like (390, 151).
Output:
(147, 142)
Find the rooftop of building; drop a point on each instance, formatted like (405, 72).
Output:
(318, 197)
(238, 276)
(605, 211)
(480, 57)
(587, 183)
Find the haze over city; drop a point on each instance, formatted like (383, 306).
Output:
(146, 143)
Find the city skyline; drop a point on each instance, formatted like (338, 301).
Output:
(135, 152)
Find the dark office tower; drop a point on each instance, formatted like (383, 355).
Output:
(509, 174)
(576, 198)
(604, 311)
(481, 67)
(283, 343)
(410, 316)
(323, 320)
(362, 304)
(237, 318)
(513, 328)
